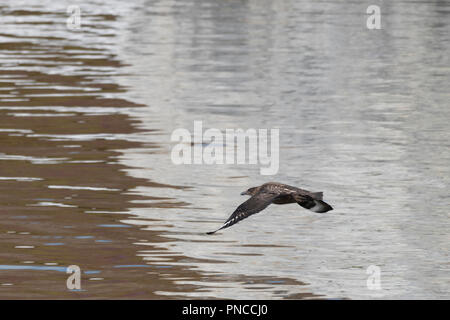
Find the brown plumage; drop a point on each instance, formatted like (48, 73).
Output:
(278, 193)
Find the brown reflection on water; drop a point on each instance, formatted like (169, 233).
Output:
(62, 193)
(64, 197)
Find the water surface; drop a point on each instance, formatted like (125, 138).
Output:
(86, 176)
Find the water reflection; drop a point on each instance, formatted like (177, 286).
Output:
(362, 116)
(63, 126)
(85, 170)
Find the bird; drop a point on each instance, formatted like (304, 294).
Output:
(277, 193)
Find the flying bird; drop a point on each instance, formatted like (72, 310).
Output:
(278, 193)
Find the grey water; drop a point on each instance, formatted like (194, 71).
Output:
(362, 115)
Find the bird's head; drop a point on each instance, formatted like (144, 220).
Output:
(250, 192)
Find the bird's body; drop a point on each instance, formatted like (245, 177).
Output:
(277, 193)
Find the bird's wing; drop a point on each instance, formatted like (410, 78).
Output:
(255, 204)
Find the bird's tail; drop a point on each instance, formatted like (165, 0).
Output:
(315, 205)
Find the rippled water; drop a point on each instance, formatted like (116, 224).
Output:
(86, 176)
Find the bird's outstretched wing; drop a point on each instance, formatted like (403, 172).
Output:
(255, 204)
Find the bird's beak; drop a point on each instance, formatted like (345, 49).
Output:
(244, 193)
